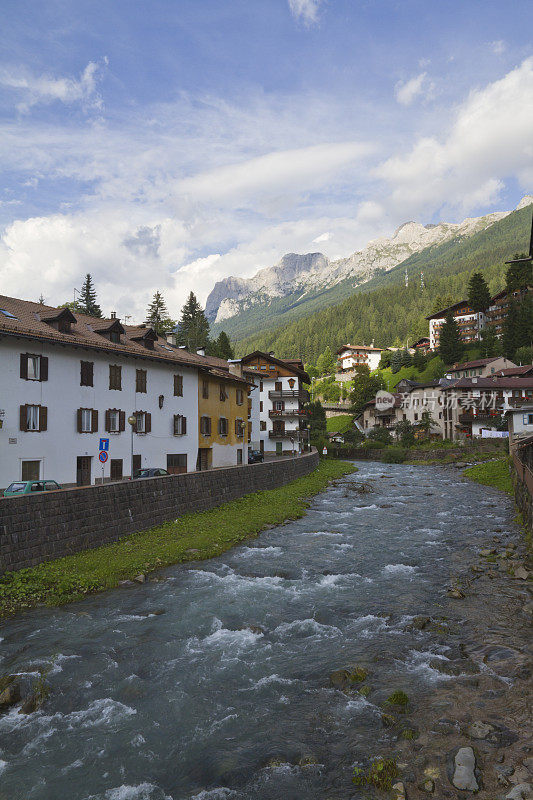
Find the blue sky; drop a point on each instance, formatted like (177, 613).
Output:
(165, 145)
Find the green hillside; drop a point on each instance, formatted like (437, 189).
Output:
(388, 312)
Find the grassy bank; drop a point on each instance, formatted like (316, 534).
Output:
(191, 537)
(493, 473)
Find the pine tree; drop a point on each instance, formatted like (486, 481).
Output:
(510, 331)
(518, 274)
(193, 327)
(86, 303)
(419, 360)
(224, 347)
(326, 363)
(157, 315)
(478, 293)
(396, 361)
(489, 342)
(406, 359)
(450, 344)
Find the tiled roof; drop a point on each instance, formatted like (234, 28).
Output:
(27, 320)
(526, 369)
(298, 371)
(359, 347)
(481, 362)
(492, 382)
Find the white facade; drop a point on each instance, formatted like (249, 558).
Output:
(254, 416)
(352, 356)
(56, 450)
(283, 409)
(521, 421)
(470, 326)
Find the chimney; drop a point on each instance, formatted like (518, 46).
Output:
(171, 338)
(201, 351)
(271, 353)
(113, 315)
(235, 368)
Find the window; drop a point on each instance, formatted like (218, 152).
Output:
(279, 405)
(116, 469)
(143, 422)
(260, 405)
(176, 463)
(239, 394)
(30, 471)
(222, 426)
(223, 394)
(7, 314)
(33, 367)
(180, 425)
(263, 366)
(87, 420)
(239, 428)
(278, 386)
(33, 418)
(115, 420)
(205, 389)
(178, 385)
(86, 373)
(205, 426)
(140, 380)
(114, 336)
(528, 419)
(262, 426)
(261, 385)
(115, 377)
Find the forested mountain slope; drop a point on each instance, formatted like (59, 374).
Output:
(385, 310)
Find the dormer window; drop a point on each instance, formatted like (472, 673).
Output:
(110, 329)
(144, 336)
(59, 319)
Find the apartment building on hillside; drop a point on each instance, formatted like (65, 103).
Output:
(350, 356)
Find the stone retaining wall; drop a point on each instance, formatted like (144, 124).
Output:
(522, 478)
(40, 527)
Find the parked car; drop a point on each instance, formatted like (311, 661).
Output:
(150, 472)
(255, 456)
(28, 487)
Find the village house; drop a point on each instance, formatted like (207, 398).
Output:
(374, 416)
(350, 356)
(499, 307)
(282, 418)
(475, 406)
(423, 398)
(520, 423)
(69, 380)
(223, 419)
(469, 322)
(481, 367)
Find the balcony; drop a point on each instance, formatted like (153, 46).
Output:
(288, 433)
(290, 394)
(287, 412)
(482, 416)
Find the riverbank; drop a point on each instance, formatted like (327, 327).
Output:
(474, 732)
(189, 538)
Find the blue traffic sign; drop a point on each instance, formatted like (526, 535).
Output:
(102, 456)
(104, 444)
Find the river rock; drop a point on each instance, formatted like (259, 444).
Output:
(30, 704)
(345, 678)
(140, 578)
(11, 693)
(398, 790)
(464, 776)
(520, 792)
(479, 730)
(521, 573)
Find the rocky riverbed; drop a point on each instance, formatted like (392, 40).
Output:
(381, 640)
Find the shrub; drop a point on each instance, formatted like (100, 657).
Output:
(370, 445)
(394, 455)
(380, 435)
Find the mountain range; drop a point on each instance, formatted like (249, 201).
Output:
(301, 284)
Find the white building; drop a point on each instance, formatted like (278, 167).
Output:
(68, 381)
(349, 356)
(470, 323)
(282, 419)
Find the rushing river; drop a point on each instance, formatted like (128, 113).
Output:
(192, 703)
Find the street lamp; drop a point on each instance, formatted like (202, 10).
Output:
(132, 419)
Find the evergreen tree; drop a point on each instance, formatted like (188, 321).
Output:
(396, 361)
(510, 331)
(157, 315)
(326, 363)
(86, 303)
(524, 355)
(365, 388)
(406, 359)
(450, 345)
(193, 327)
(419, 360)
(224, 348)
(489, 342)
(518, 274)
(384, 361)
(316, 423)
(478, 293)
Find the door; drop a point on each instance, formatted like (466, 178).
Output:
(83, 471)
(203, 458)
(176, 463)
(262, 446)
(239, 456)
(278, 386)
(136, 463)
(278, 428)
(31, 470)
(116, 469)
(279, 448)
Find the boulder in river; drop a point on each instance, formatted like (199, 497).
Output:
(9, 691)
(464, 776)
(521, 792)
(348, 677)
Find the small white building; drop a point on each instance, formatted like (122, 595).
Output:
(520, 421)
(350, 356)
(282, 419)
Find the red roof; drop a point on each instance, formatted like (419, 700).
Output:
(527, 369)
(481, 362)
(492, 382)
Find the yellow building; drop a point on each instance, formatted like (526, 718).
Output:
(223, 419)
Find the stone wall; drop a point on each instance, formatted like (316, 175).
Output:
(522, 477)
(40, 527)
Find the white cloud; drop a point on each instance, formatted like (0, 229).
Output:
(498, 47)
(305, 10)
(489, 140)
(407, 92)
(324, 237)
(45, 89)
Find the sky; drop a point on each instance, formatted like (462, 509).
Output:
(167, 145)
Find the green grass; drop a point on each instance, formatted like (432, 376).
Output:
(339, 424)
(191, 537)
(493, 473)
